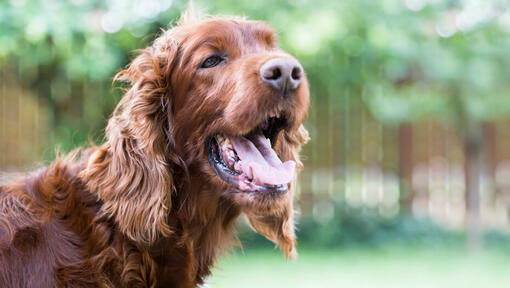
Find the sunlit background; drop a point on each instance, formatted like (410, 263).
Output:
(407, 178)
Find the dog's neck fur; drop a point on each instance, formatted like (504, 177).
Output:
(197, 240)
(200, 225)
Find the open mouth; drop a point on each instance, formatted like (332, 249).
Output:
(249, 162)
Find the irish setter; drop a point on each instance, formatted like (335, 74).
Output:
(210, 127)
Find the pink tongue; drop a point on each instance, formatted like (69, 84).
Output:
(260, 162)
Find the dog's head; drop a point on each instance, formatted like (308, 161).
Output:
(218, 100)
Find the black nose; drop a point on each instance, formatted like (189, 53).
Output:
(282, 74)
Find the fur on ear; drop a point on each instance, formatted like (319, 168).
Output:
(131, 172)
(279, 228)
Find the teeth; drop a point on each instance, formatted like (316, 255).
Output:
(224, 142)
(274, 113)
(231, 160)
(227, 148)
(228, 144)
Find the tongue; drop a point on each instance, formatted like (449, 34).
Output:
(260, 162)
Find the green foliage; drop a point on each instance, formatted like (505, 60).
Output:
(74, 36)
(365, 228)
(353, 227)
(448, 59)
(67, 52)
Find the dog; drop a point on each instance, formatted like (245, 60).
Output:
(210, 127)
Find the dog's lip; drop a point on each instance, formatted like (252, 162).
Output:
(231, 177)
(276, 112)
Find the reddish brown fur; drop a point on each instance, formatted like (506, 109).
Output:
(145, 208)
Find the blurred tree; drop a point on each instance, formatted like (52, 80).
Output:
(67, 53)
(453, 66)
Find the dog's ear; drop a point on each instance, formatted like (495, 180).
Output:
(132, 172)
(279, 227)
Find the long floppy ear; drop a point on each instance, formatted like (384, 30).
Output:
(279, 228)
(131, 172)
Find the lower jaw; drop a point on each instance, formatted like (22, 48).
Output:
(260, 203)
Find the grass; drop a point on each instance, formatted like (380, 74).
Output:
(365, 268)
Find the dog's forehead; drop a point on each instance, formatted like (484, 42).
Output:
(224, 34)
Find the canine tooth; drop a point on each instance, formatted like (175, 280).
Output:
(228, 144)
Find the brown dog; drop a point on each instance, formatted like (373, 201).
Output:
(209, 128)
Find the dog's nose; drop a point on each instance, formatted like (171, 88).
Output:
(282, 74)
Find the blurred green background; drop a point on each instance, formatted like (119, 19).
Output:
(407, 179)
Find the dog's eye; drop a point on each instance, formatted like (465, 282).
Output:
(211, 61)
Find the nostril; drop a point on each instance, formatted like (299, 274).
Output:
(273, 74)
(282, 74)
(296, 73)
